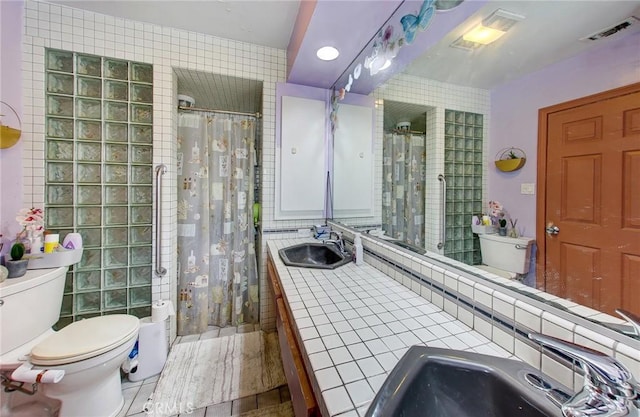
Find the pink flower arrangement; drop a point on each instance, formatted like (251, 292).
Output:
(32, 221)
(496, 211)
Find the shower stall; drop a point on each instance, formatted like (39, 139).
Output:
(217, 156)
(403, 186)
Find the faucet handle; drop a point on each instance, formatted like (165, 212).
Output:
(633, 319)
(601, 371)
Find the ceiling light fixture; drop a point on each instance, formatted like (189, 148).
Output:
(483, 35)
(490, 30)
(327, 53)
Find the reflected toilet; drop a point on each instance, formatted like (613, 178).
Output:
(504, 256)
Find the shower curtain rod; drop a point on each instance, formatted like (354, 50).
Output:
(256, 114)
(406, 131)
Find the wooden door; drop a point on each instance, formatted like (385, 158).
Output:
(592, 195)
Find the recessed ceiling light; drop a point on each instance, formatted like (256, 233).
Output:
(327, 53)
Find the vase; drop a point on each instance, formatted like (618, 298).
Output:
(16, 268)
(502, 231)
(35, 242)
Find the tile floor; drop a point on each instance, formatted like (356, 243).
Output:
(136, 394)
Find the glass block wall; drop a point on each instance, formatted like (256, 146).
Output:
(99, 177)
(463, 171)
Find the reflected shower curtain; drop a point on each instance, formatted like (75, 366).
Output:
(403, 187)
(217, 273)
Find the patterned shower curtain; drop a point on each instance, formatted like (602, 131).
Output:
(217, 272)
(403, 187)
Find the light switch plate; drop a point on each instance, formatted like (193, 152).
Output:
(528, 188)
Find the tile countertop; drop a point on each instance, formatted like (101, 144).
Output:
(356, 323)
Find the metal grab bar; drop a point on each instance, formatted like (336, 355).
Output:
(443, 214)
(160, 171)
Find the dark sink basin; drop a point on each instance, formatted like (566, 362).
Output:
(432, 382)
(314, 255)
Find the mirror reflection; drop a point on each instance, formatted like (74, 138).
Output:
(453, 109)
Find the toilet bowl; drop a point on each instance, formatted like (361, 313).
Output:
(87, 352)
(504, 256)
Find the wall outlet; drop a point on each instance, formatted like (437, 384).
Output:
(528, 188)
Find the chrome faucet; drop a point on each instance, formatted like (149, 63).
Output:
(609, 389)
(339, 241)
(632, 328)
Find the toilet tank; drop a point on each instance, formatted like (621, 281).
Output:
(30, 305)
(506, 253)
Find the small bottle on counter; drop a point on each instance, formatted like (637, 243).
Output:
(358, 249)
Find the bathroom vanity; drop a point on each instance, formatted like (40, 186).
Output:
(342, 331)
(302, 397)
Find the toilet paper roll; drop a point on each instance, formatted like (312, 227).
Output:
(161, 310)
(25, 373)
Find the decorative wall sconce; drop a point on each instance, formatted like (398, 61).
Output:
(510, 159)
(9, 136)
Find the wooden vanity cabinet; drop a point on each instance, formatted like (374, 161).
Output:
(274, 280)
(302, 398)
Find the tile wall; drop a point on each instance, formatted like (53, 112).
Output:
(99, 179)
(463, 168)
(439, 96)
(63, 28)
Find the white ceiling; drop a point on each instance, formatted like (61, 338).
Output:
(261, 22)
(220, 92)
(550, 32)
(396, 112)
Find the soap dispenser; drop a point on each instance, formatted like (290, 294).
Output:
(357, 249)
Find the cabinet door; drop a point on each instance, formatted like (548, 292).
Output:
(301, 166)
(353, 162)
(302, 398)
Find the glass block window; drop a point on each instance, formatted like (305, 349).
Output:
(99, 179)
(463, 171)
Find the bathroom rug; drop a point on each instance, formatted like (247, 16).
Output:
(212, 371)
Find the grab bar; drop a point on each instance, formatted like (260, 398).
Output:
(443, 214)
(160, 171)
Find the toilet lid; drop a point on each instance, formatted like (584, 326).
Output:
(85, 339)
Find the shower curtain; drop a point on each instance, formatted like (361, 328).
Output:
(217, 272)
(403, 187)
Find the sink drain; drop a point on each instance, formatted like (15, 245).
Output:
(537, 382)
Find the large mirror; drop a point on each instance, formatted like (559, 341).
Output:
(453, 111)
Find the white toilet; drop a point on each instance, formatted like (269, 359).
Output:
(507, 257)
(89, 352)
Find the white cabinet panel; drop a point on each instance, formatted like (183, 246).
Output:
(353, 162)
(302, 163)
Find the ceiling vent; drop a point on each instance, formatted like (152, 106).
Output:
(604, 33)
(502, 20)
